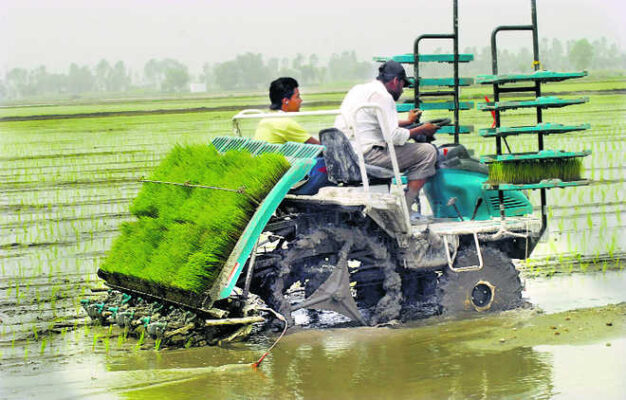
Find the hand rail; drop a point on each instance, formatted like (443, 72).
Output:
(351, 122)
(253, 113)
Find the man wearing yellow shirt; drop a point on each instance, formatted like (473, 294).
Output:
(285, 97)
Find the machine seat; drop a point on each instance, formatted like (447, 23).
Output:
(342, 162)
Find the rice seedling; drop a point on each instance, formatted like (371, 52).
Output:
(183, 235)
(565, 169)
(141, 339)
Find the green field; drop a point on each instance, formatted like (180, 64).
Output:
(68, 184)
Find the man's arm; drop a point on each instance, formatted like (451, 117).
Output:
(414, 115)
(312, 140)
(420, 133)
(389, 118)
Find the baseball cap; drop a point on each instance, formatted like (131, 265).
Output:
(391, 69)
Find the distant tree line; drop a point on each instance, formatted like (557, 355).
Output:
(573, 55)
(250, 71)
(19, 82)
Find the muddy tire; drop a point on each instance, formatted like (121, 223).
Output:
(309, 259)
(495, 287)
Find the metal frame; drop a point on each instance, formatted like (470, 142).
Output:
(455, 92)
(536, 88)
(253, 113)
(468, 267)
(351, 123)
(399, 192)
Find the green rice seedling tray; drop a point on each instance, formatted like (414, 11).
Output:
(546, 184)
(545, 128)
(223, 280)
(409, 58)
(302, 158)
(439, 105)
(441, 82)
(291, 150)
(234, 265)
(533, 168)
(541, 102)
(541, 76)
(542, 155)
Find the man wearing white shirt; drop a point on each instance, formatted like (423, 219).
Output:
(417, 160)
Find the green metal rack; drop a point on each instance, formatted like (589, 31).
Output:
(545, 128)
(451, 85)
(540, 103)
(437, 105)
(409, 58)
(547, 184)
(424, 82)
(543, 76)
(541, 155)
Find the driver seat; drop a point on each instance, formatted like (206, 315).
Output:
(342, 163)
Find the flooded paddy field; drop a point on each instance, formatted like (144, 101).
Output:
(67, 185)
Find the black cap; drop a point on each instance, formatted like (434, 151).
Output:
(391, 69)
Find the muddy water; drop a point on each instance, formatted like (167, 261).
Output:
(567, 346)
(571, 291)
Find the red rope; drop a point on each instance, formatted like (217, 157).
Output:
(256, 364)
(493, 114)
(280, 317)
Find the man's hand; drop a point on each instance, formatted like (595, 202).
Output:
(414, 115)
(423, 132)
(427, 129)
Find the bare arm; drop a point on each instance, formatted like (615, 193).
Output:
(425, 130)
(413, 116)
(312, 140)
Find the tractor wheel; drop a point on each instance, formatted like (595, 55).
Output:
(349, 270)
(495, 287)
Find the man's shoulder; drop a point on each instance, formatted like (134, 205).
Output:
(365, 90)
(367, 86)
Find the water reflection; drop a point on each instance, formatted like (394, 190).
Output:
(423, 362)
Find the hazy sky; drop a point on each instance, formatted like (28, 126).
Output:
(57, 32)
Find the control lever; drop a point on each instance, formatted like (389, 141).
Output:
(478, 203)
(452, 202)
